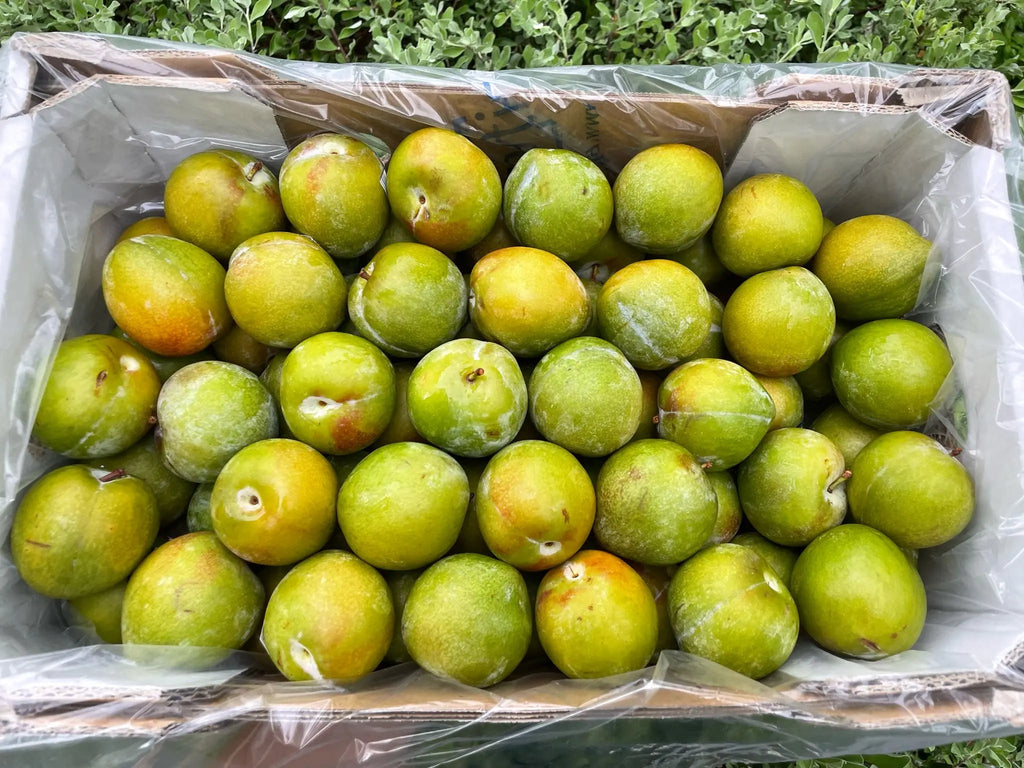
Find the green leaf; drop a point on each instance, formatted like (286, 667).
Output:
(325, 44)
(296, 12)
(817, 26)
(889, 761)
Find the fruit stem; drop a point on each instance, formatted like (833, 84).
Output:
(956, 452)
(364, 274)
(840, 480)
(656, 419)
(116, 474)
(254, 168)
(706, 465)
(474, 375)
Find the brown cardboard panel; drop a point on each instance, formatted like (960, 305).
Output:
(419, 695)
(68, 58)
(606, 128)
(210, 85)
(971, 705)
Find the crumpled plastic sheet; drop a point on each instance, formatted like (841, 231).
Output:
(90, 127)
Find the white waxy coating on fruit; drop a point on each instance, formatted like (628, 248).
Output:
(596, 616)
(208, 411)
(656, 311)
(548, 548)
(767, 222)
(330, 617)
(585, 396)
(526, 299)
(282, 288)
(444, 188)
(409, 299)
(559, 201)
(345, 370)
(715, 409)
(332, 189)
(872, 267)
(728, 605)
(780, 322)
(535, 505)
(666, 197)
(403, 506)
(303, 658)
(910, 488)
(192, 591)
(248, 505)
(655, 505)
(219, 198)
(166, 294)
(60, 538)
(857, 593)
(887, 372)
(94, 404)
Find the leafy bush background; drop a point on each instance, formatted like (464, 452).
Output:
(498, 34)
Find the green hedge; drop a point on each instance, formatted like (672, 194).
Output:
(493, 34)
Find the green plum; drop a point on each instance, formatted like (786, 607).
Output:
(337, 392)
(219, 198)
(409, 299)
(332, 190)
(468, 397)
(559, 201)
(207, 412)
(585, 396)
(80, 530)
(100, 398)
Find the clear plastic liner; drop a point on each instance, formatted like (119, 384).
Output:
(91, 126)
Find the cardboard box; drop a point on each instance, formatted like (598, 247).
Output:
(90, 128)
